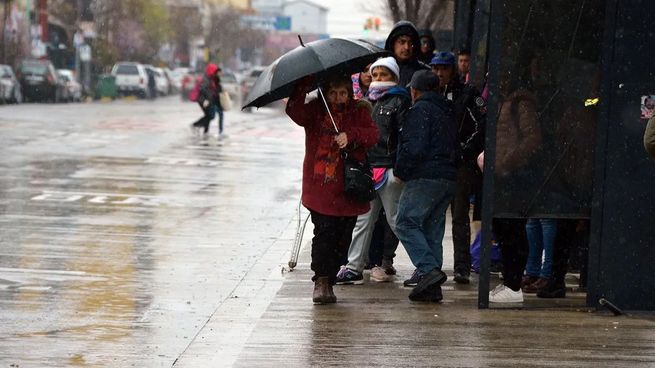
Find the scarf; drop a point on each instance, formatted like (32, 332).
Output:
(328, 154)
(378, 89)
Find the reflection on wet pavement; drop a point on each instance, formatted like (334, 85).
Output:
(122, 233)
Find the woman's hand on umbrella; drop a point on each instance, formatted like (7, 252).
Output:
(341, 139)
(306, 83)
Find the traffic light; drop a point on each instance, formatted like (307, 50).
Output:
(378, 21)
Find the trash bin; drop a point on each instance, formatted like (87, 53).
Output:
(106, 87)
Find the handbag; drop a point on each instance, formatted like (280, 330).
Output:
(226, 101)
(358, 179)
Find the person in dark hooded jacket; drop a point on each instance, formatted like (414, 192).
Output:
(426, 163)
(427, 46)
(207, 97)
(404, 44)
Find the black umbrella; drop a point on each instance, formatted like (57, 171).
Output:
(322, 57)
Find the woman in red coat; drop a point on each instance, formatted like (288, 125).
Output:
(333, 214)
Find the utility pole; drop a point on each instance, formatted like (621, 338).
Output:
(4, 28)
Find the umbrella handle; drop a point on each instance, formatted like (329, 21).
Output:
(320, 92)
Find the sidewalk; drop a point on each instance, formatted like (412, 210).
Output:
(375, 325)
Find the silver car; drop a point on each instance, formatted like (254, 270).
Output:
(10, 91)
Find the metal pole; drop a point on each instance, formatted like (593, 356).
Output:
(4, 27)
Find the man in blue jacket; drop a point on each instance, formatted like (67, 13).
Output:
(426, 163)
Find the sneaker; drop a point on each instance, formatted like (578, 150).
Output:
(387, 266)
(427, 282)
(413, 280)
(462, 277)
(552, 289)
(378, 275)
(346, 276)
(431, 294)
(503, 294)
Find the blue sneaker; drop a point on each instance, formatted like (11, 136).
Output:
(413, 280)
(346, 276)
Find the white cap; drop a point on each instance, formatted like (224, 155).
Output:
(389, 63)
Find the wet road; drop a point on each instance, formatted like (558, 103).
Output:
(123, 233)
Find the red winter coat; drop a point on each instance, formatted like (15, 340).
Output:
(323, 171)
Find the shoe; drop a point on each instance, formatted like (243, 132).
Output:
(387, 266)
(535, 286)
(527, 280)
(322, 292)
(503, 294)
(431, 294)
(346, 276)
(378, 275)
(552, 289)
(462, 277)
(427, 281)
(413, 280)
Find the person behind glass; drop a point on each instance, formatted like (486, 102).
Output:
(428, 46)
(391, 102)
(469, 122)
(210, 88)
(518, 138)
(361, 83)
(649, 138)
(464, 65)
(541, 234)
(426, 164)
(332, 212)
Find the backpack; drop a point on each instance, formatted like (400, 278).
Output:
(195, 92)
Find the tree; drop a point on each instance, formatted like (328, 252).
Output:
(228, 33)
(424, 14)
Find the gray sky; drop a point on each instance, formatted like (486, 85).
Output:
(346, 17)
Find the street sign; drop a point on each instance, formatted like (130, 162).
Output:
(85, 53)
(282, 23)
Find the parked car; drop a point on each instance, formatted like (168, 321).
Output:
(10, 86)
(176, 77)
(247, 83)
(73, 87)
(131, 79)
(172, 87)
(161, 82)
(231, 85)
(39, 81)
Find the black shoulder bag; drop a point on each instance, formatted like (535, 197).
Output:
(358, 179)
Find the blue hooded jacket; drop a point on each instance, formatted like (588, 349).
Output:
(428, 140)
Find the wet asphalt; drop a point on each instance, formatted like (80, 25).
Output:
(129, 241)
(123, 232)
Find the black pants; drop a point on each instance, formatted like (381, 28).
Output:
(510, 233)
(384, 242)
(459, 209)
(332, 236)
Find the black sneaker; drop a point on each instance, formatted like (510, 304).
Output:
(427, 282)
(387, 266)
(462, 277)
(431, 294)
(553, 289)
(413, 280)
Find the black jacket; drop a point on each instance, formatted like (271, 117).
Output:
(428, 140)
(388, 114)
(469, 118)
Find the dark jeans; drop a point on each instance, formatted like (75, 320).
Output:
(510, 233)
(459, 209)
(332, 236)
(383, 243)
(209, 114)
(421, 221)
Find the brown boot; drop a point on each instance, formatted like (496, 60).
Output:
(323, 291)
(535, 286)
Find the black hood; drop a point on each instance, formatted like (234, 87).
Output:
(403, 28)
(427, 33)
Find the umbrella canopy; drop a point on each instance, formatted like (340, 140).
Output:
(322, 57)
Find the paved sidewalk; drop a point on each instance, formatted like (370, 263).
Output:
(375, 325)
